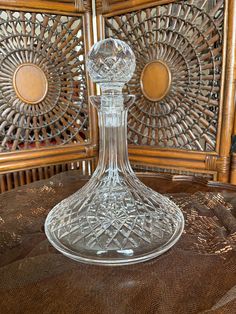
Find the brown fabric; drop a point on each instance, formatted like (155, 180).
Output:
(197, 276)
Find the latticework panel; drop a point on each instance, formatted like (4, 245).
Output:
(43, 92)
(178, 48)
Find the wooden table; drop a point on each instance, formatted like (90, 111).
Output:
(198, 275)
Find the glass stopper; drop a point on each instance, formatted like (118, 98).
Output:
(111, 61)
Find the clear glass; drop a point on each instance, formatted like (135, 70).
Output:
(114, 219)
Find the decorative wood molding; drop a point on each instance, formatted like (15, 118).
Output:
(102, 6)
(53, 6)
(42, 157)
(83, 5)
(178, 159)
(223, 165)
(211, 162)
(116, 6)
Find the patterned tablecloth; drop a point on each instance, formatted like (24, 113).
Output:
(197, 276)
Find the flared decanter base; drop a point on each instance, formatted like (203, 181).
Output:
(116, 221)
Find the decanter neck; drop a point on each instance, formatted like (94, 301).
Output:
(112, 109)
(112, 101)
(113, 151)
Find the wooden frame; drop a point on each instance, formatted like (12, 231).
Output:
(216, 162)
(24, 163)
(48, 6)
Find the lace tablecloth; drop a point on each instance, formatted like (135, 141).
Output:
(197, 276)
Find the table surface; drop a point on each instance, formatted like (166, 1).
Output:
(198, 275)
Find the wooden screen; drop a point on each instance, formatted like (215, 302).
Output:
(44, 89)
(183, 117)
(182, 113)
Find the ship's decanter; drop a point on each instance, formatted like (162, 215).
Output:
(114, 219)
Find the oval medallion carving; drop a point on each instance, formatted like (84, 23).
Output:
(155, 80)
(30, 83)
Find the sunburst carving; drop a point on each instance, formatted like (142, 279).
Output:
(43, 92)
(187, 37)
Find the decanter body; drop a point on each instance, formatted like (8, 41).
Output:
(114, 219)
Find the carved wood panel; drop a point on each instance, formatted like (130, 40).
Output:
(43, 89)
(178, 48)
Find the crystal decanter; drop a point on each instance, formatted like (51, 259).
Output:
(114, 219)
